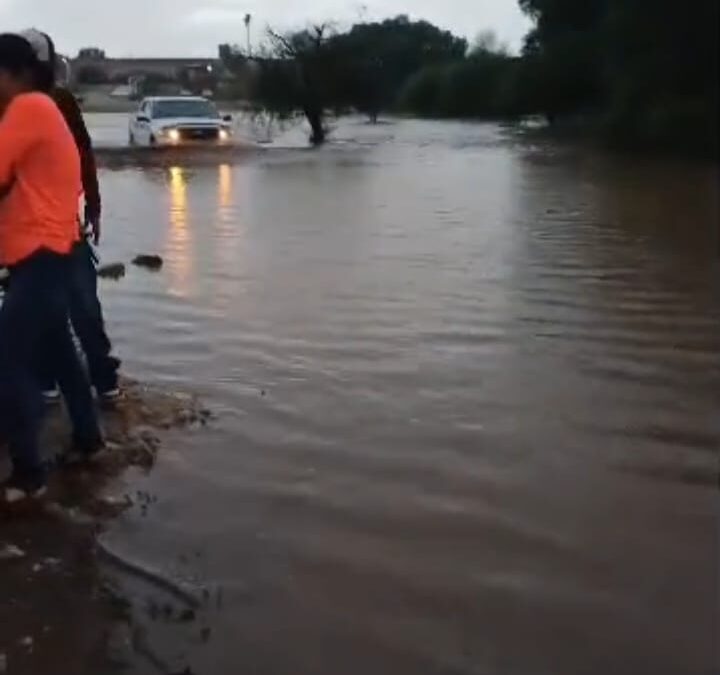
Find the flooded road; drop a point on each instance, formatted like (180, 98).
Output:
(467, 394)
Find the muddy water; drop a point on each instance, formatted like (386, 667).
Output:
(467, 388)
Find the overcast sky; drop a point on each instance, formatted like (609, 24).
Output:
(196, 27)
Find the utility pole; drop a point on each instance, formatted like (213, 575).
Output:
(248, 21)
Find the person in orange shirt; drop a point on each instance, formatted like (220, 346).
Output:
(40, 185)
(86, 314)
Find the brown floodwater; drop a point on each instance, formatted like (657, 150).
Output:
(467, 391)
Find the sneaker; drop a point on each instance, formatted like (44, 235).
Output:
(19, 490)
(110, 395)
(51, 396)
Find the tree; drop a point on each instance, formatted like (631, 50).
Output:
(486, 42)
(365, 68)
(564, 52)
(649, 69)
(380, 57)
(299, 73)
(479, 86)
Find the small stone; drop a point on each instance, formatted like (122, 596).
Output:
(112, 271)
(150, 262)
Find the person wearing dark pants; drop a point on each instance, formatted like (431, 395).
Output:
(34, 316)
(88, 323)
(39, 188)
(85, 309)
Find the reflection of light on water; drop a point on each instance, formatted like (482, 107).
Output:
(229, 231)
(178, 244)
(224, 188)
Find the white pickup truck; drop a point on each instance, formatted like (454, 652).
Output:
(180, 120)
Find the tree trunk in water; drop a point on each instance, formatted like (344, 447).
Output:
(315, 118)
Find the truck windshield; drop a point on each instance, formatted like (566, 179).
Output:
(184, 108)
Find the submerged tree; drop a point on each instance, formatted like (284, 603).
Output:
(378, 58)
(318, 70)
(298, 73)
(648, 70)
(478, 86)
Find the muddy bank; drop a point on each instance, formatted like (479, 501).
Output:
(131, 425)
(59, 615)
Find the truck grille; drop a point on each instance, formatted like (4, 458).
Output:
(199, 134)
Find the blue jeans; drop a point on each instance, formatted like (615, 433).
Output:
(87, 320)
(34, 321)
(88, 323)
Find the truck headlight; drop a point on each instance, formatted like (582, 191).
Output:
(224, 134)
(173, 135)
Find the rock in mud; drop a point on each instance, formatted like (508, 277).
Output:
(150, 262)
(112, 271)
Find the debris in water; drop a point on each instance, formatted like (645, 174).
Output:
(150, 262)
(11, 552)
(112, 271)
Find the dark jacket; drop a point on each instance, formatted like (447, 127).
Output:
(70, 109)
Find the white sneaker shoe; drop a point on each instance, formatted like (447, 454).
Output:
(51, 396)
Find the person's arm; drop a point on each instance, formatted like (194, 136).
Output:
(70, 109)
(18, 134)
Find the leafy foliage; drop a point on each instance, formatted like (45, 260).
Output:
(483, 85)
(380, 57)
(647, 73)
(317, 70)
(651, 70)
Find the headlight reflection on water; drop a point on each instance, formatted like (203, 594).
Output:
(178, 247)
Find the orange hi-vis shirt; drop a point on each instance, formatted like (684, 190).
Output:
(40, 165)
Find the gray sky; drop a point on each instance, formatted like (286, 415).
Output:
(196, 27)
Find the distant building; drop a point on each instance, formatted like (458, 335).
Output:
(91, 53)
(222, 77)
(92, 66)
